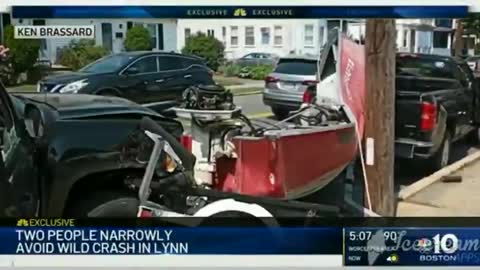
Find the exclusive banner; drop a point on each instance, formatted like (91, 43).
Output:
(412, 246)
(243, 12)
(175, 241)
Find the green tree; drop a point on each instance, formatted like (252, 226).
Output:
(23, 52)
(79, 53)
(137, 39)
(471, 24)
(207, 47)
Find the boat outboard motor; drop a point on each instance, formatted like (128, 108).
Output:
(207, 97)
(211, 111)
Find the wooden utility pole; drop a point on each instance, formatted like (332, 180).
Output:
(458, 41)
(380, 48)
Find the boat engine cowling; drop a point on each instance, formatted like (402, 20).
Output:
(207, 97)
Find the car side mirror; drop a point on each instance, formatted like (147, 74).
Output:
(34, 122)
(132, 71)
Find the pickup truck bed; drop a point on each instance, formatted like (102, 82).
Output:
(436, 104)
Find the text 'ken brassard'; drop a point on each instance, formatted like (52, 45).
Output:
(54, 31)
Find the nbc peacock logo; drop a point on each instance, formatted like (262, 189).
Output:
(239, 12)
(22, 223)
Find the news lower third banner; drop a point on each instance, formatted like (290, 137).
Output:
(412, 246)
(169, 241)
(243, 12)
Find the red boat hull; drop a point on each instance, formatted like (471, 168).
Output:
(287, 166)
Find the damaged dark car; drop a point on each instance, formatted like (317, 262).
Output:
(69, 155)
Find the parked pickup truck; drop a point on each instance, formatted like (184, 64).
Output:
(437, 103)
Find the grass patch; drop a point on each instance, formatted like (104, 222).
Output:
(243, 91)
(29, 88)
(227, 81)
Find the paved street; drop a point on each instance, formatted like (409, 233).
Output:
(252, 106)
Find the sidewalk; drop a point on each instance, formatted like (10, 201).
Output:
(252, 84)
(447, 199)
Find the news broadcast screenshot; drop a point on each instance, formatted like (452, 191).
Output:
(239, 135)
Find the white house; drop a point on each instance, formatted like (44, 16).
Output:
(431, 36)
(243, 36)
(109, 33)
(470, 42)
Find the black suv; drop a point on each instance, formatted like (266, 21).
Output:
(152, 78)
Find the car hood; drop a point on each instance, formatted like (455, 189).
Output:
(66, 77)
(84, 106)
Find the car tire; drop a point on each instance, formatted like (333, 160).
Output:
(442, 157)
(106, 204)
(279, 113)
(474, 136)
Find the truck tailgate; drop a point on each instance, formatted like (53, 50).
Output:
(411, 91)
(407, 114)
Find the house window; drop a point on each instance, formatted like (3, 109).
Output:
(234, 35)
(249, 36)
(447, 23)
(265, 35)
(405, 39)
(188, 32)
(278, 37)
(152, 29)
(210, 33)
(321, 35)
(440, 39)
(308, 35)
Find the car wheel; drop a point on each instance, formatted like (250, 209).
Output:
(442, 158)
(279, 113)
(111, 204)
(474, 136)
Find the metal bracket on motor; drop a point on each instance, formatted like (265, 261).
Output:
(204, 141)
(207, 115)
(144, 191)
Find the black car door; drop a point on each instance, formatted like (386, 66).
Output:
(173, 79)
(19, 174)
(141, 80)
(475, 92)
(465, 98)
(197, 72)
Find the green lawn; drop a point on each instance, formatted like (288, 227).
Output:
(23, 88)
(227, 81)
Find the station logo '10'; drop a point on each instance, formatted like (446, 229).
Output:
(443, 248)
